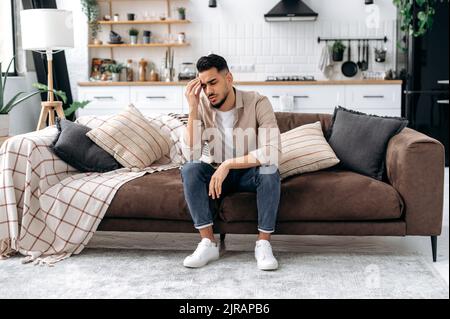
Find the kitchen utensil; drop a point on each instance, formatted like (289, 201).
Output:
(349, 68)
(364, 63)
(363, 55)
(359, 63)
(367, 53)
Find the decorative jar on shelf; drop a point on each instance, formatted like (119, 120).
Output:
(154, 76)
(129, 71)
(146, 36)
(181, 37)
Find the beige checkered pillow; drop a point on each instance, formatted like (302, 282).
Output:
(131, 139)
(305, 149)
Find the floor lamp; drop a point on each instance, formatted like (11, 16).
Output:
(47, 30)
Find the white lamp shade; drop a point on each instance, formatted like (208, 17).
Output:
(46, 29)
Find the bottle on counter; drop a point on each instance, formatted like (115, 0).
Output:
(130, 75)
(154, 76)
(142, 70)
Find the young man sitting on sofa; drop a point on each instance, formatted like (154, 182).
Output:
(225, 117)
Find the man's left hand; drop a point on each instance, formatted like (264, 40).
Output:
(215, 185)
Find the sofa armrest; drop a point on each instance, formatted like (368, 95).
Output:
(415, 168)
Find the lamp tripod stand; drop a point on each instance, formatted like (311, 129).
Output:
(49, 107)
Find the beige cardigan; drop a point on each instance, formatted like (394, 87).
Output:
(255, 131)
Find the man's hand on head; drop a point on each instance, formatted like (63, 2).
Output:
(192, 93)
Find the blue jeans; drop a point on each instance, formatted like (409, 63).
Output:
(262, 180)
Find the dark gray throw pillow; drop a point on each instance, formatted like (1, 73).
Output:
(360, 140)
(76, 149)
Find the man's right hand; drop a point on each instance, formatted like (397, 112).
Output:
(192, 93)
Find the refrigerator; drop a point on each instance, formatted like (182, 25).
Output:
(426, 89)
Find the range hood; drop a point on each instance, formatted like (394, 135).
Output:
(290, 10)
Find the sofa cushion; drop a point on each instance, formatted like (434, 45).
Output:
(131, 139)
(76, 149)
(360, 140)
(330, 195)
(154, 196)
(305, 149)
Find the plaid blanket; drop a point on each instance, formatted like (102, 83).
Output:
(49, 210)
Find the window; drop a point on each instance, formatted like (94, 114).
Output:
(7, 45)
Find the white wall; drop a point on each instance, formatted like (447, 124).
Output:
(237, 30)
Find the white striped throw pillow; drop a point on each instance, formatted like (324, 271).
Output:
(305, 149)
(131, 139)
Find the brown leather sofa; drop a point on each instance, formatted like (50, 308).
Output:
(330, 202)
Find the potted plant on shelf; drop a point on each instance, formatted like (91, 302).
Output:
(181, 13)
(134, 36)
(115, 70)
(7, 106)
(92, 11)
(338, 50)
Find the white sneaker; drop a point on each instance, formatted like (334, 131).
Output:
(206, 251)
(264, 255)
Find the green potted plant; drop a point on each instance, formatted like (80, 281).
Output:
(133, 36)
(338, 50)
(74, 107)
(416, 17)
(92, 11)
(115, 70)
(181, 13)
(7, 106)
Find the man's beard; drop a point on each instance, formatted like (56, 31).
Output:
(219, 105)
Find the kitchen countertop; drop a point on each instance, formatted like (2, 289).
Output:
(319, 82)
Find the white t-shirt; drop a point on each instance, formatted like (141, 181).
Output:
(224, 122)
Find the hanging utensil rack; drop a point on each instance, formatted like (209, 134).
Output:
(319, 39)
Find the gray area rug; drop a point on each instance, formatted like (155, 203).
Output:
(118, 273)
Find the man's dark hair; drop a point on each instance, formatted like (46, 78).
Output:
(212, 61)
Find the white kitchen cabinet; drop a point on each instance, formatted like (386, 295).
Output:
(103, 100)
(265, 90)
(374, 99)
(157, 99)
(148, 99)
(377, 99)
(313, 98)
(384, 100)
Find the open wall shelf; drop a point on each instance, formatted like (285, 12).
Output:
(167, 21)
(139, 45)
(108, 9)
